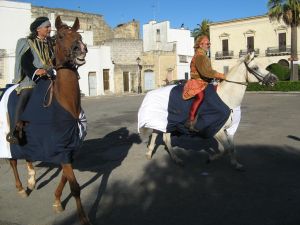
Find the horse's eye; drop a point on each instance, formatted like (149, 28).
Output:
(60, 36)
(255, 67)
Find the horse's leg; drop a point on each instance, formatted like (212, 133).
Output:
(58, 192)
(232, 153)
(75, 191)
(223, 145)
(169, 148)
(31, 173)
(151, 144)
(21, 191)
(226, 145)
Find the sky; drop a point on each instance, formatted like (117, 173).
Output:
(178, 12)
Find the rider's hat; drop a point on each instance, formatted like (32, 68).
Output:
(38, 22)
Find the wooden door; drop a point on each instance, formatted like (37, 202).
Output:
(106, 79)
(225, 48)
(92, 84)
(282, 42)
(126, 81)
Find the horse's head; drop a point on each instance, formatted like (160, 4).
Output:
(70, 51)
(256, 73)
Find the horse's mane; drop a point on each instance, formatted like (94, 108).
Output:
(234, 68)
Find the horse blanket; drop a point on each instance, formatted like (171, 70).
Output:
(165, 110)
(52, 134)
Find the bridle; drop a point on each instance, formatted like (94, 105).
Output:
(258, 76)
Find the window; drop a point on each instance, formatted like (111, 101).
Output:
(282, 42)
(250, 44)
(2, 55)
(225, 48)
(186, 75)
(183, 58)
(158, 35)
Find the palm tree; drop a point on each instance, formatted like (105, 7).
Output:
(203, 29)
(289, 12)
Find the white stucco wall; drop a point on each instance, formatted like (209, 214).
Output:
(97, 59)
(169, 38)
(15, 18)
(264, 31)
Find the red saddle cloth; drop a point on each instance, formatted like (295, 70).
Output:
(193, 87)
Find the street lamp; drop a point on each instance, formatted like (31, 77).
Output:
(138, 60)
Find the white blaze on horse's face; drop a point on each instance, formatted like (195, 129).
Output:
(70, 41)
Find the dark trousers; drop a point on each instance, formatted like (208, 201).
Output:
(21, 104)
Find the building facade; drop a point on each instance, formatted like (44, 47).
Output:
(167, 54)
(98, 74)
(270, 40)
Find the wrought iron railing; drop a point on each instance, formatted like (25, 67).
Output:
(245, 51)
(224, 55)
(283, 50)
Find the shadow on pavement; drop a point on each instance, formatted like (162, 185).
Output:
(97, 155)
(267, 193)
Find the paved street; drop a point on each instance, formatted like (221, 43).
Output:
(120, 187)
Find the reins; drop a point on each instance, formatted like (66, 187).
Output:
(236, 82)
(51, 85)
(257, 75)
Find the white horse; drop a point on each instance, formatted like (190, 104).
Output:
(153, 115)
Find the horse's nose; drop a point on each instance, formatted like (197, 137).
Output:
(85, 48)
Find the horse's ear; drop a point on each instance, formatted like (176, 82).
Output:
(58, 23)
(76, 25)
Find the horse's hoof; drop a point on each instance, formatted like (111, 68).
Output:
(240, 168)
(31, 186)
(57, 207)
(149, 156)
(23, 194)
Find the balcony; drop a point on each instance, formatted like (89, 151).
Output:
(224, 55)
(246, 51)
(275, 51)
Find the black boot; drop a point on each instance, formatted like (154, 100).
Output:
(190, 124)
(17, 135)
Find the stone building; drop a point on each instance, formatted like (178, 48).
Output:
(167, 54)
(234, 38)
(124, 53)
(97, 75)
(92, 22)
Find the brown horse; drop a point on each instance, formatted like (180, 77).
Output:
(70, 53)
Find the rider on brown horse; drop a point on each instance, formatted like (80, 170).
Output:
(34, 59)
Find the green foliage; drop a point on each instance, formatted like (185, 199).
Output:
(280, 86)
(203, 29)
(282, 72)
(287, 10)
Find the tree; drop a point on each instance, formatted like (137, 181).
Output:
(203, 29)
(289, 12)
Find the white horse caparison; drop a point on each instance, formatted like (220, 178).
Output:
(231, 91)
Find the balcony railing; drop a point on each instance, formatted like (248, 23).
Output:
(224, 55)
(274, 51)
(245, 52)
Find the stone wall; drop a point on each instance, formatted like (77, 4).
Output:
(125, 51)
(91, 22)
(130, 30)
